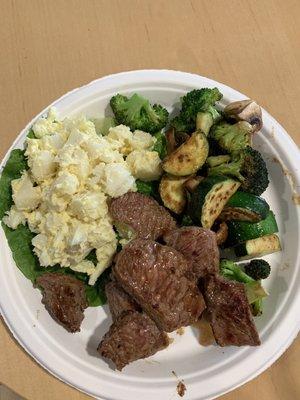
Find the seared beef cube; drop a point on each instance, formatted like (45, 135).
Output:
(132, 336)
(142, 215)
(118, 300)
(154, 275)
(229, 312)
(199, 245)
(64, 298)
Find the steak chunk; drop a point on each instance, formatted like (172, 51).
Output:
(142, 215)
(199, 246)
(229, 312)
(154, 275)
(64, 298)
(119, 301)
(132, 336)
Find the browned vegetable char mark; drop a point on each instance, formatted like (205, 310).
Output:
(154, 275)
(64, 298)
(131, 337)
(142, 214)
(229, 312)
(199, 246)
(119, 301)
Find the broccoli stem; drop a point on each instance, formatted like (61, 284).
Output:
(204, 121)
(232, 271)
(254, 290)
(257, 308)
(214, 161)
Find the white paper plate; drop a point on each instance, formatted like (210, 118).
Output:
(207, 372)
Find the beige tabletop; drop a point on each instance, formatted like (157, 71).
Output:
(50, 47)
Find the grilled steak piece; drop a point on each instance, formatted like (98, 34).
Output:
(64, 298)
(229, 312)
(199, 246)
(142, 215)
(132, 336)
(119, 301)
(154, 275)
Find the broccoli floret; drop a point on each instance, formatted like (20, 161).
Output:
(232, 138)
(249, 168)
(231, 168)
(255, 172)
(180, 125)
(137, 113)
(258, 269)
(160, 145)
(254, 290)
(194, 102)
(232, 271)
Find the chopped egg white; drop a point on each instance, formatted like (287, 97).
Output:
(88, 206)
(122, 139)
(85, 266)
(25, 196)
(73, 171)
(42, 165)
(118, 179)
(142, 140)
(14, 217)
(144, 165)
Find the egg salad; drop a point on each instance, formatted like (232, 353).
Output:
(73, 171)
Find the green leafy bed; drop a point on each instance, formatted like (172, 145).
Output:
(19, 239)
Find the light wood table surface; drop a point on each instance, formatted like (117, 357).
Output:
(50, 47)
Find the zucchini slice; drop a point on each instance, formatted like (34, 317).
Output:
(172, 192)
(241, 231)
(188, 157)
(209, 198)
(244, 206)
(258, 247)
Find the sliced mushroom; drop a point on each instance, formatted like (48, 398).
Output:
(171, 141)
(192, 182)
(222, 233)
(181, 137)
(245, 110)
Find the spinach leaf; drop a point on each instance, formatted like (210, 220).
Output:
(19, 241)
(13, 169)
(186, 221)
(31, 134)
(148, 188)
(96, 294)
